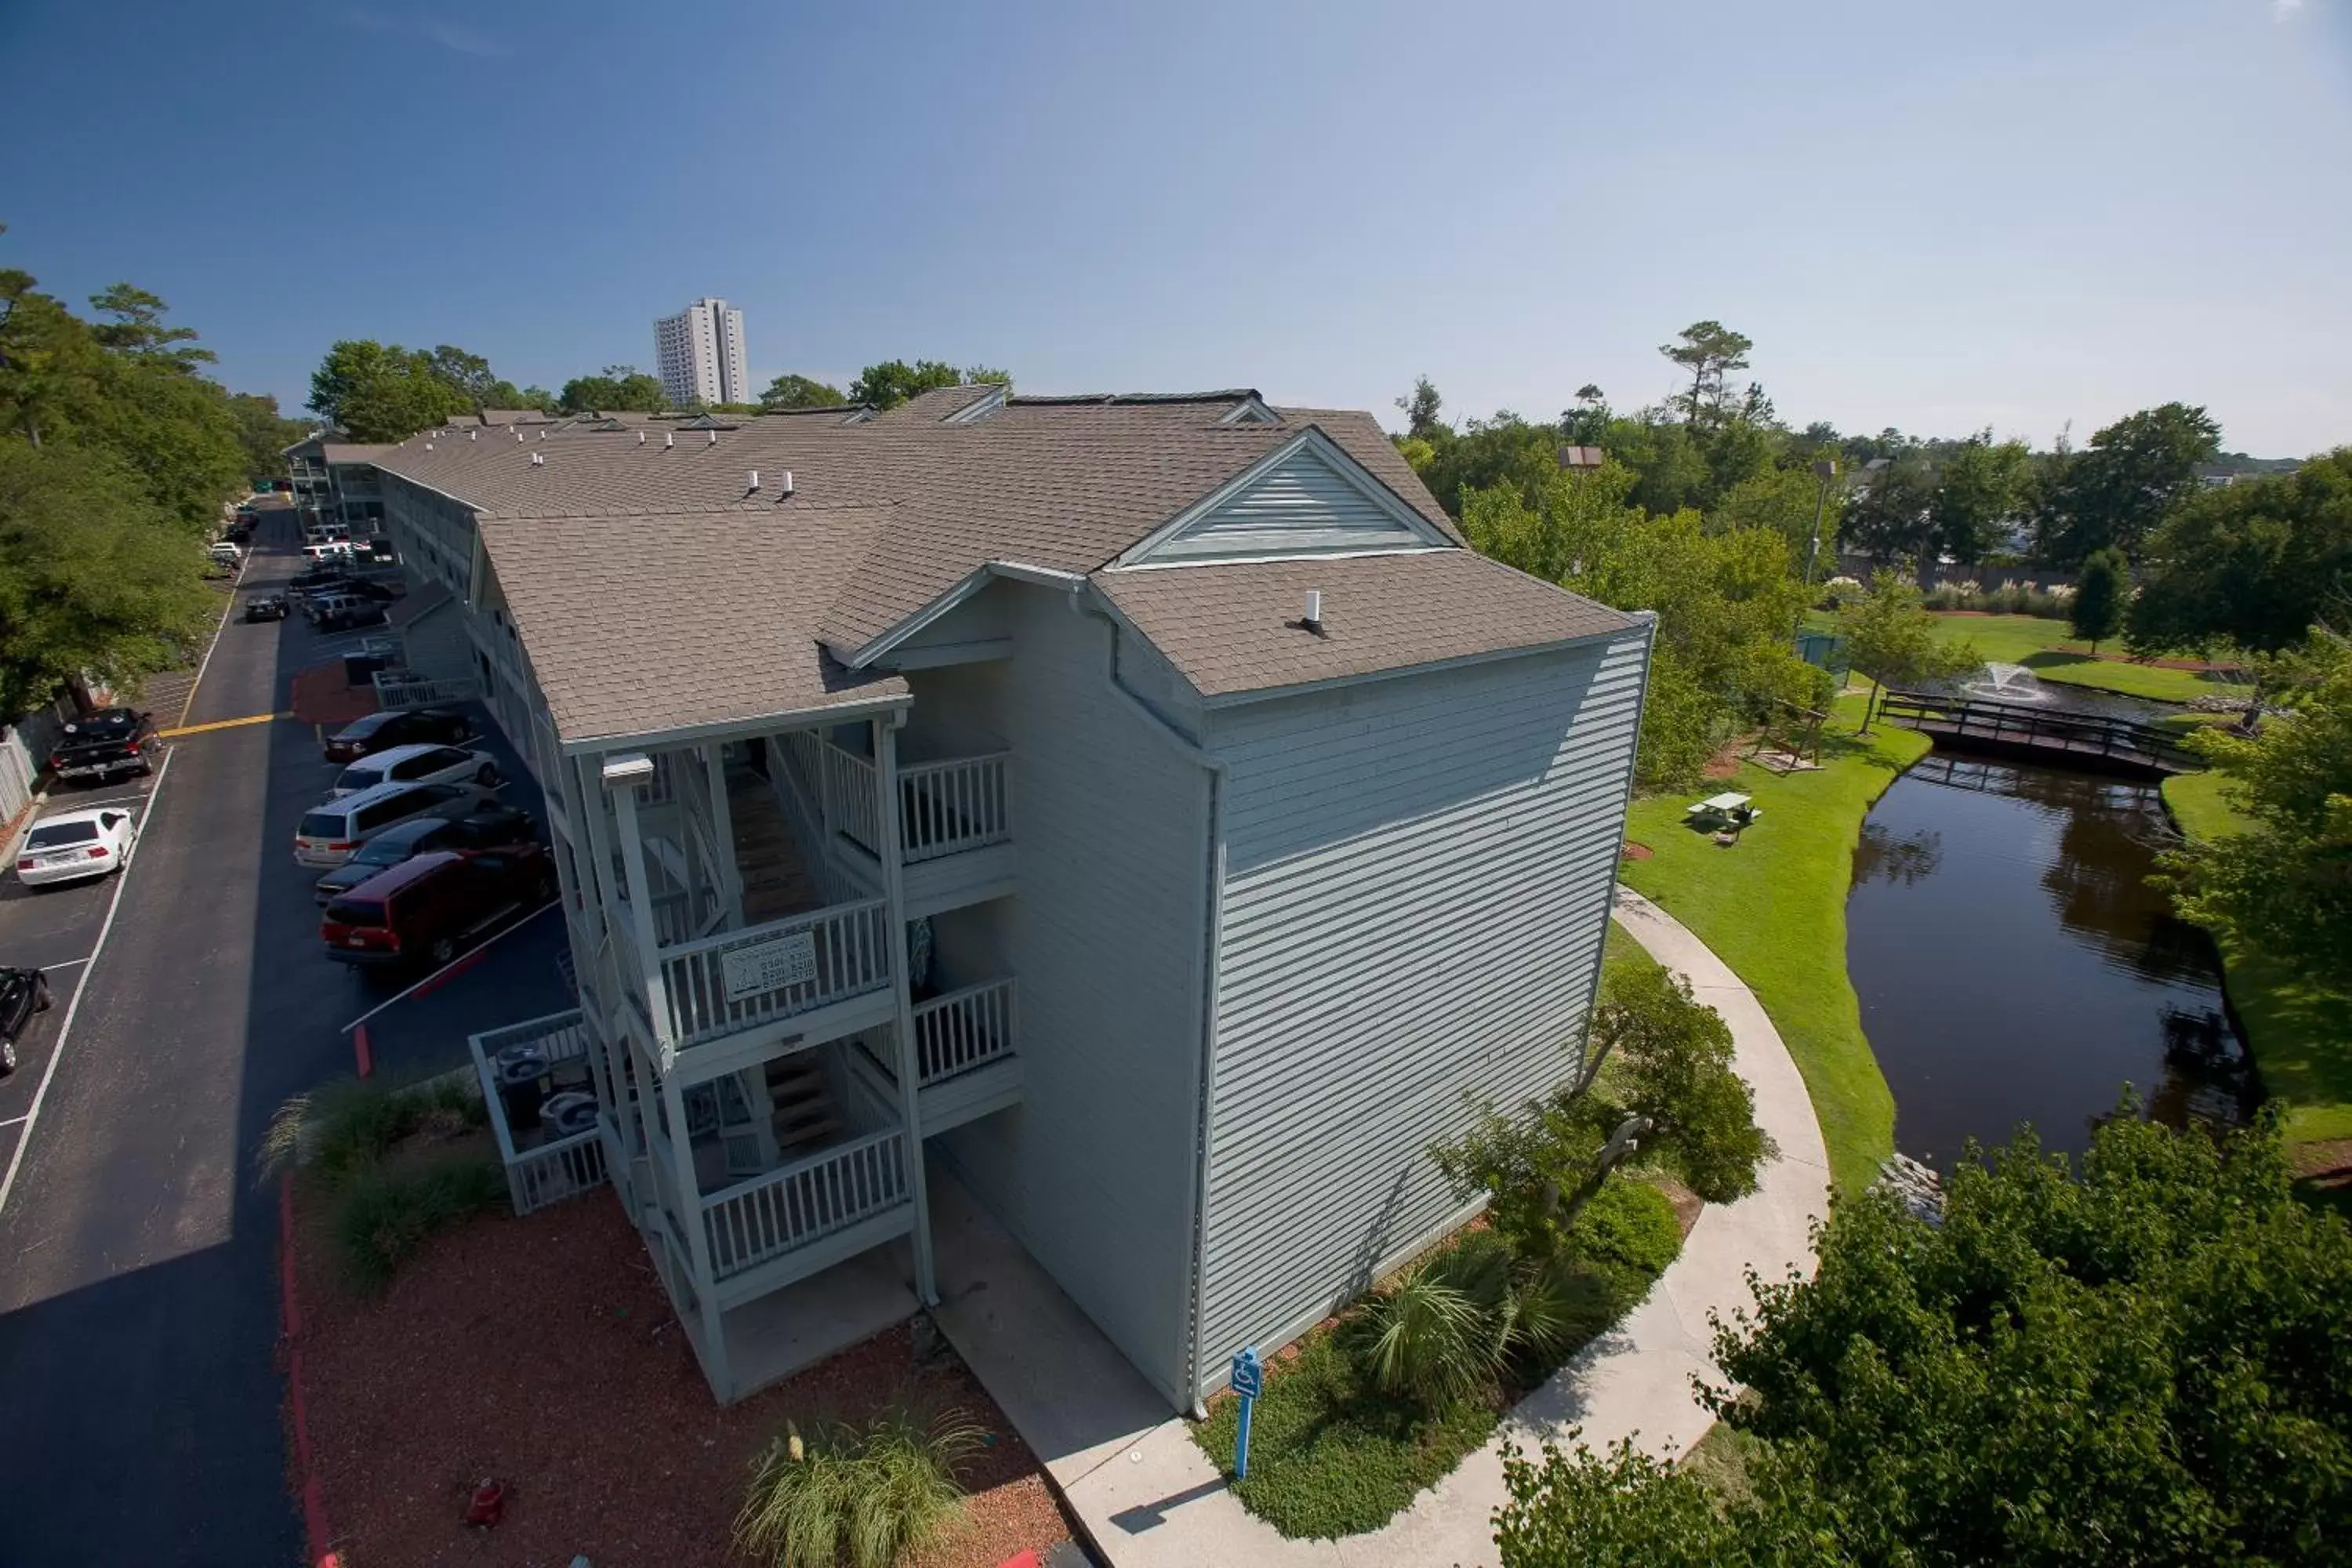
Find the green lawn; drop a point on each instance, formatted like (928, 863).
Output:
(2301, 1036)
(1773, 907)
(2048, 648)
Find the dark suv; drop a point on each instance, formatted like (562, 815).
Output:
(109, 741)
(398, 727)
(429, 908)
(490, 827)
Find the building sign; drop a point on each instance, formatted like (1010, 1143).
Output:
(770, 965)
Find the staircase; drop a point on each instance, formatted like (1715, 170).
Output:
(776, 883)
(804, 1119)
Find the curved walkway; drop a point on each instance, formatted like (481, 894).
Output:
(1163, 1505)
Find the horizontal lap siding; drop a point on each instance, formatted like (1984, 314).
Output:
(1302, 506)
(1094, 1169)
(1417, 878)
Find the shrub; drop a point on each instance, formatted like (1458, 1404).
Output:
(868, 1493)
(384, 1216)
(1440, 1331)
(1630, 1224)
(349, 1125)
(1838, 592)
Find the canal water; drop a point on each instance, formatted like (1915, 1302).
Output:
(2014, 965)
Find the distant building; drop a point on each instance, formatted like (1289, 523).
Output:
(699, 354)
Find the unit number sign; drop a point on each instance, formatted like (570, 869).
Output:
(770, 965)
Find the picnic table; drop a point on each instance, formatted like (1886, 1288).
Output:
(1729, 807)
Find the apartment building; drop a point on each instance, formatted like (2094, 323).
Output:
(1143, 810)
(699, 354)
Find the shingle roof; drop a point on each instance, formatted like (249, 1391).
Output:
(899, 509)
(350, 452)
(645, 624)
(1238, 628)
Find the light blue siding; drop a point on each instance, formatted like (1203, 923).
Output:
(1094, 1170)
(1302, 506)
(1417, 882)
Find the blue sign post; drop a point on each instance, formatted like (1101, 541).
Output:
(1249, 1382)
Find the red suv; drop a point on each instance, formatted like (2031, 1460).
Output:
(429, 909)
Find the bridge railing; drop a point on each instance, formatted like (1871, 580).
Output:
(2095, 735)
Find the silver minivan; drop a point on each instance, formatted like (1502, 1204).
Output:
(331, 831)
(417, 762)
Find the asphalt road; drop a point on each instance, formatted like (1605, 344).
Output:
(139, 1394)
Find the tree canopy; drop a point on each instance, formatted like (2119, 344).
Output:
(791, 391)
(893, 380)
(2097, 611)
(2255, 564)
(2145, 1362)
(2117, 490)
(618, 388)
(382, 392)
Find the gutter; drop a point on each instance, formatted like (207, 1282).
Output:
(1216, 776)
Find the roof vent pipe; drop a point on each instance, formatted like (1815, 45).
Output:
(640, 438)
(787, 486)
(539, 459)
(751, 482)
(472, 433)
(1313, 621)
(518, 434)
(669, 439)
(714, 439)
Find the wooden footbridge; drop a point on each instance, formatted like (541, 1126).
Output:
(2039, 734)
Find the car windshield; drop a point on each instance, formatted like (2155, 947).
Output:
(58, 835)
(321, 825)
(383, 852)
(356, 913)
(358, 776)
(360, 730)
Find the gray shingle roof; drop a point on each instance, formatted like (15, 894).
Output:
(724, 594)
(350, 452)
(1234, 629)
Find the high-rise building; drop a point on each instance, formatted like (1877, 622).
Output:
(699, 354)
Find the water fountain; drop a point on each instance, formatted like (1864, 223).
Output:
(2006, 683)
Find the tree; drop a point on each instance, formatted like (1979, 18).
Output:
(263, 434)
(1891, 516)
(790, 391)
(2117, 490)
(892, 382)
(1710, 352)
(2100, 588)
(618, 388)
(470, 376)
(379, 391)
(1979, 486)
(2283, 887)
(138, 328)
(96, 575)
(1891, 637)
(1420, 409)
(2147, 1362)
(2255, 564)
(537, 397)
(1587, 423)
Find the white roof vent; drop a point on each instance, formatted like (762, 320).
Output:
(518, 434)
(539, 459)
(470, 435)
(428, 446)
(669, 439)
(751, 481)
(640, 438)
(1313, 619)
(786, 488)
(714, 439)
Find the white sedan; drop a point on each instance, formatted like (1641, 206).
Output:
(76, 844)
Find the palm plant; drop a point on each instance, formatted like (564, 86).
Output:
(870, 1492)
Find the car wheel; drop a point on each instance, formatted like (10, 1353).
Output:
(7, 1057)
(441, 951)
(488, 777)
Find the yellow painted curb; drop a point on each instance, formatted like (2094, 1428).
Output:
(222, 724)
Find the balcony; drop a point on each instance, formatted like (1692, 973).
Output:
(543, 1166)
(760, 984)
(964, 1052)
(955, 818)
(840, 1201)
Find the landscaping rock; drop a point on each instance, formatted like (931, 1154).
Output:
(1915, 1186)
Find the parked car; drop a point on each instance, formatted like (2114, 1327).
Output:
(76, 844)
(492, 827)
(349, 614)
(398, 727)
(330, 831)
(109, 741)
(416, 765)
(222, 551)
(266, 608)
(319, 578)
(23, 993)
(333, 549)
(429, 908)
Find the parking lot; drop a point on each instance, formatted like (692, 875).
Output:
(138, 1292)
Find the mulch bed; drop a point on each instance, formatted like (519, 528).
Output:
(544, 1352)
(322, 696)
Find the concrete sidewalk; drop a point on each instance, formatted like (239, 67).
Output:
(1150, 1499)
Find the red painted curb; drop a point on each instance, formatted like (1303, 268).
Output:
(458, 967)
(361, 1050)
(314, 1498)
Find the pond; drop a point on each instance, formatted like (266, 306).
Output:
(2013, 965)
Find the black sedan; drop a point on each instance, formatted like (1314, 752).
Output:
(23, 993)
(266, 608)
(489, 826)
(398, 727)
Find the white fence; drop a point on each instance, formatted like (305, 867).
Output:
(964, 1029)
(19, 769)
(947, 807)
(398, 689)
(794, 1205)
(742, 978)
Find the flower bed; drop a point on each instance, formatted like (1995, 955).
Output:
(544, 1353)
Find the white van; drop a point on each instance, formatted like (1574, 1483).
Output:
(331, 831)
(417, 762)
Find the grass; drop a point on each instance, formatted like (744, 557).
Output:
(2300, 1035)
(1332, 1455)
(874, 1494)
(2048, 648)
(1773, 907)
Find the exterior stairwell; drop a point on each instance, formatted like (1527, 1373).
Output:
(804, 1118)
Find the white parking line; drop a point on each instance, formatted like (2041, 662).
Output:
(112, 800)
(64, 1030)
(468, 954)
(16, 1120)
(68, 963)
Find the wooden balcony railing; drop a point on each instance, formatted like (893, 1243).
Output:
(772, 1213)
(947, 807)
(964, 1029)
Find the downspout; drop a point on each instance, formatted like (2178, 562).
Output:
(1215, 778)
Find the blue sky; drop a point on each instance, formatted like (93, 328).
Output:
(2013, 215)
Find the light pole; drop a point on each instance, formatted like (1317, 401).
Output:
(1824, 469)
